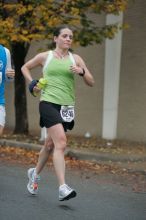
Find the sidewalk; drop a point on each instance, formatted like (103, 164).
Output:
(133, 162)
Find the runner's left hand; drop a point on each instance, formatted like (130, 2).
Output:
(76, 69)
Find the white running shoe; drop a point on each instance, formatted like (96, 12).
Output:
(66, 193)
(32, 185)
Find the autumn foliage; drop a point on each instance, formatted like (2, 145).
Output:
(22, 21)
(27, 20)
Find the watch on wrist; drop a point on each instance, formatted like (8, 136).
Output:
(83, 73)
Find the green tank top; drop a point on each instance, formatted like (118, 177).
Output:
(60, 88)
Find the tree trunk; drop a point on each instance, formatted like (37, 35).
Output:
(19, 51)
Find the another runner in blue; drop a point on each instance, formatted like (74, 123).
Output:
(6, 74)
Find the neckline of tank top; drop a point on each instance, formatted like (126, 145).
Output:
(60, 56)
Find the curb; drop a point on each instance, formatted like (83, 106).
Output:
(97, 156)
(78, 154)
(11, 143)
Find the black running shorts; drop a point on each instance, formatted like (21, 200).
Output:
(50, 115)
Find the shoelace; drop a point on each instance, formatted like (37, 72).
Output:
(35, 178)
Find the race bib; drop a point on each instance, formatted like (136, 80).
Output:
(67, 113)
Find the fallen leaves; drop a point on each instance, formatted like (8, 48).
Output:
(26, 156)
(92, 143)
(18, 154)
(119, 172)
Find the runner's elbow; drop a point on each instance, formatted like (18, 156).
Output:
(90, 82)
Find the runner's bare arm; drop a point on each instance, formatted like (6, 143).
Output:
(81, 68)
(38, 60)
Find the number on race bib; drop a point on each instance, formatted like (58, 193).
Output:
(67, 113)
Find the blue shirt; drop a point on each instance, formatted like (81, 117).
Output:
(3, 62)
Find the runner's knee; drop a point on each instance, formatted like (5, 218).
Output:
(61, 143)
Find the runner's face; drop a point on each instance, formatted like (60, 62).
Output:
(64, 40)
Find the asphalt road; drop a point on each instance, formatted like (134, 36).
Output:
(98, 198)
